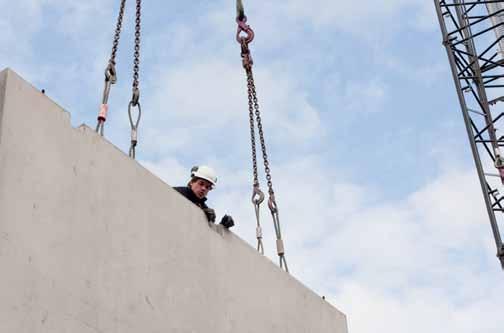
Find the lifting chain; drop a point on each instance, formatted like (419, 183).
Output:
(135, 98)
(110, 72)
(255, 114)
(111, 78)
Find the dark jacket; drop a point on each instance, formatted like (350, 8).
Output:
(227, 221)
(189, 194)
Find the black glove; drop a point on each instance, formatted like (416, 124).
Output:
(210, 214)
(227, 221)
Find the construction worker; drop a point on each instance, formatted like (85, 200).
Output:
(202, 181)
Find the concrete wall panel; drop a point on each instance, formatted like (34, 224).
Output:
(90, 241)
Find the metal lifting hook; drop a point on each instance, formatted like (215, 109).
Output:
(257, 196)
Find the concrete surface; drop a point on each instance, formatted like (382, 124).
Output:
(90, 241)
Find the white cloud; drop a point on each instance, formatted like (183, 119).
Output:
(409, 265)
(195, 102)
(420, 310)
(356, 96)
(363, 18)
(426, 17)
(86, 19)
(169, 170)
(365, 96)
(18, 22)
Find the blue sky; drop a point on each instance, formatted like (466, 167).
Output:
(378, 195)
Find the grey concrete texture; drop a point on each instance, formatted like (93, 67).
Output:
(90, 241)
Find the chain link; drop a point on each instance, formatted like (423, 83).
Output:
(117, 34)
(136, 61)
(253, 97)
(257, 194)
(263, 144)
(252, 129)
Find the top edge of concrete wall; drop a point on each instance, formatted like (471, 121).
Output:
(3, 79)
(6, 72)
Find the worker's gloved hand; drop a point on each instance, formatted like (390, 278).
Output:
(210, 214)
(227, 221)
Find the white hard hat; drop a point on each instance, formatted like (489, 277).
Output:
(204, 172)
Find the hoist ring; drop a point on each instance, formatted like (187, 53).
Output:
(257, 196)
(135, 125)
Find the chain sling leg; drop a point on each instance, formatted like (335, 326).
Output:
(111, 78)
(272, 205)
(257, 196)
(135, 98)
(110, 72)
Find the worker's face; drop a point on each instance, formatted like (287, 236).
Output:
(200, 187)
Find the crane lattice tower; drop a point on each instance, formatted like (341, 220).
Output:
(473, 34)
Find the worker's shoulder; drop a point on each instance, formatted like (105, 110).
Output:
(181, 189)
(186, 192)
(189, 195)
